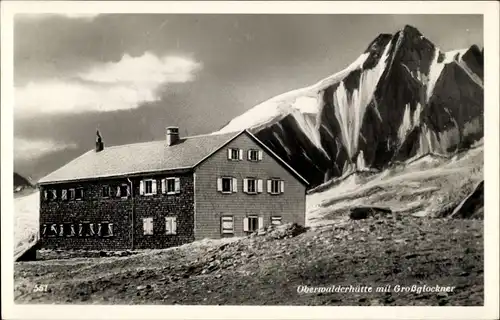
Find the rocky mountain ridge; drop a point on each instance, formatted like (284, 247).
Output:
(402, 98)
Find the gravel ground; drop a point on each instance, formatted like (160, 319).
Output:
(261, 270)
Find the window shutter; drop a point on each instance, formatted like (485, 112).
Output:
(72, 230)
(241, 154)
(154, 187)
(245, 185)
(259, 186)
(118, 192)
(229, 154)
(54, 229)
(163, 185)
(110, 229)
(245, 224)
(45, 195)
(128, 191)
(61, 230)
(80, 229)
(235, 185)
(261, 223)
(219, 184)
(174, 225)
(249, 152)
(54, 194)
(141, 187)
(260, 155)
(64, 195)
(99, 229)
(269, 186)
(282, 186)
(177, 185)
(92, 232)
(44, 229)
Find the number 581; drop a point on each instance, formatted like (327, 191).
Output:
(40, 288)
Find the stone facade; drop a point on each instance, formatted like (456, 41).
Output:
(96, 209)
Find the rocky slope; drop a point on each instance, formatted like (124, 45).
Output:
(21, 182)
(402, 98)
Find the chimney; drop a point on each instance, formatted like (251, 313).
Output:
(99, 145)
(172, 135)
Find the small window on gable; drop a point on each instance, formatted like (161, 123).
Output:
(227, 185)
(227, 225)
(147, 225)
(106, 191)
(79, 193)
(171, 225)
(235, 154)
(254, 155)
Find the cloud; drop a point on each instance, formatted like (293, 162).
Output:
(106, 87)
(27, 149)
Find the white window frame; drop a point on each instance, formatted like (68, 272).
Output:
(171, 225)
(239, 153)
(270, 184)
(177, 185)
(246, 223)
(256, 152)
(147, 232)
(233, 185)
(228, 219)
(276, 218)
(144, 187)
(256, 182)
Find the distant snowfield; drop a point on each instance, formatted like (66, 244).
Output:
(26, 210)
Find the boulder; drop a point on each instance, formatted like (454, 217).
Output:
(359, 213)
(472, 206)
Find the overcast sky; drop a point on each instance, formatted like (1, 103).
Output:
(132, 75)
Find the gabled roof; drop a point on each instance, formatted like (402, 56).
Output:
(149, 157)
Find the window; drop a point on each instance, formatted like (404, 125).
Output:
(53, 230)
(64, 194)
(235, 154)
(147, 225)
(170, 225)
(79, 193)
(50, 194)
(105, 229)
(106, 191)
(254, 155)
(227, 185)
(275, 186)
(86, 229)
(122, 191)
(275, 221)
(252, 185)
(71, 194)
(227, 225)
(69, 230)
(252, 223)
(171, 185)
(147, 187)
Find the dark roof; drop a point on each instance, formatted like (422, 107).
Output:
(141, 157)
(150, 157)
